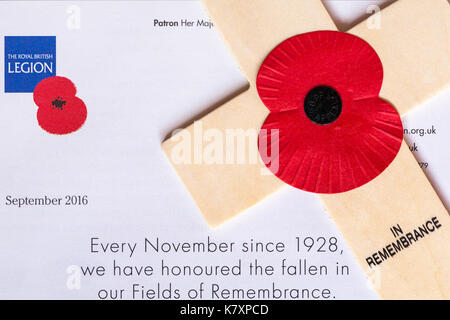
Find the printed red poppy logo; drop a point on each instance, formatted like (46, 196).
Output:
(59, 110)
(334, 132)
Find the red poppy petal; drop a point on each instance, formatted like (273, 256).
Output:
(63, 121)
(305, 61)
(50, 88)
(337, 157)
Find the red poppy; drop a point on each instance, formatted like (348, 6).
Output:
(335, 133)
(60, 111)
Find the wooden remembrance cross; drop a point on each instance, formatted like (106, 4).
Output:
(414, 47)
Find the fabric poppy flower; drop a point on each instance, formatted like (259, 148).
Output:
(334, 133)
(59, 110)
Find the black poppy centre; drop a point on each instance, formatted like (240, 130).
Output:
(58, 103)
(323, 105)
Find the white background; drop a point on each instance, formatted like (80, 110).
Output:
(139, 83)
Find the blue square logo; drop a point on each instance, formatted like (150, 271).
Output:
(28, 60)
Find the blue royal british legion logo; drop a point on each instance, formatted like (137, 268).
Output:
(28, 60)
